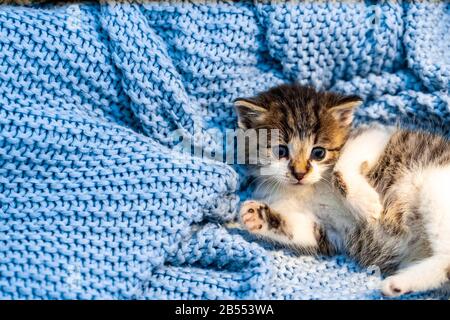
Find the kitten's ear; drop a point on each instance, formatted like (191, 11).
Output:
(344, 111)
(248, 112)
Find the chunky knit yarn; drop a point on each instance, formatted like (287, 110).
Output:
(95, 202)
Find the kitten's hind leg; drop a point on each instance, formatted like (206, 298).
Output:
(362, 198)
(434, 206)
(291, 228)
(359, 155)
(427, 274)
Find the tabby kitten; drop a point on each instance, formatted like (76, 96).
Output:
(377, 193)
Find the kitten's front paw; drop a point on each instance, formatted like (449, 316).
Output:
(252, 215)
(395, 286)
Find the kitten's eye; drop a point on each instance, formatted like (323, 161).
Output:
(318, 153)
(281, 151)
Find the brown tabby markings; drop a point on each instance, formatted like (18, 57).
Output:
(274, 221)
(401, 225)
(259, 211)
(300, 150)
(396, 211)
(364, 168)
(323, 244)
(372, 245)
(339, 183)
(332, 137)
(303, 118)
(405, 151)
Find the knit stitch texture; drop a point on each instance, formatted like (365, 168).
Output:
(95, 201)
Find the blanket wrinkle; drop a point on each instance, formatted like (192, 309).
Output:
(97, 201)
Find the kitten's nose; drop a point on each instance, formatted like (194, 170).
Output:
(299, 175)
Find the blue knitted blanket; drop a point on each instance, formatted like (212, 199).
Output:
(95, 200)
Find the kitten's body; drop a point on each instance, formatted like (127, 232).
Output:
(410, 172)
(385, 198)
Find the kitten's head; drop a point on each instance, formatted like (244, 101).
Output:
(313, 126)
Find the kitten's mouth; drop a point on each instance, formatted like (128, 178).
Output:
(295, 182)
(303, 182)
